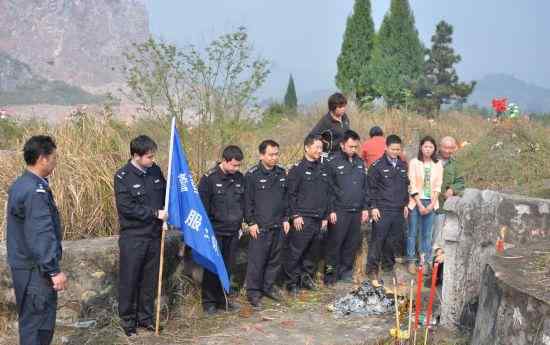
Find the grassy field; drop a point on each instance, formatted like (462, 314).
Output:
(509, 156)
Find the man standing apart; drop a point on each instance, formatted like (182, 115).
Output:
(308, 193)
(266, 213)
(388, 185)
(34, 243)
(222, 193)
(332, 126)
(453, 184)
(140, 188)
(349, 209)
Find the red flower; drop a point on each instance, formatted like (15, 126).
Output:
(500, 105)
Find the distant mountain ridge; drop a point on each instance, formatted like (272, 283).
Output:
(529, 97)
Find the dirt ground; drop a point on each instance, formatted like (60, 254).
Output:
(304, 320)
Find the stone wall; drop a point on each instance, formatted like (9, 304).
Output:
(92, 269)
(473, 225)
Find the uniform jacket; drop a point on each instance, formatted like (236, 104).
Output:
(309, 189)
(349, 183)
(388, 187)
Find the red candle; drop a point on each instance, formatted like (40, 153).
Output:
(432, 293)
(418, 307)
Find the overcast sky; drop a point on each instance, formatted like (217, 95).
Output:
(303, 37)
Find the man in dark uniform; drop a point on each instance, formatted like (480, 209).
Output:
(332, 126)
(308, 194)
(140, 188)
(266, 213)
(388, 188)
(34, 244)
(349, 209)
(222, 194)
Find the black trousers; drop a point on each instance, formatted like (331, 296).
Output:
(212, 290)
(264, 264)
(36, 305)
(303, 251)
(343, 240)
(138, 277)
(386, 240)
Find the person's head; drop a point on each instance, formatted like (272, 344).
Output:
(142, 150)
(350, 143)
(337, 104)
(427, 149)
(376, 132)
(40, 154)
(393, 146)
(447, 147)
(232, 158)
(313, 146)
(269, 153)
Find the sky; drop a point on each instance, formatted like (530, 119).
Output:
(304, 37)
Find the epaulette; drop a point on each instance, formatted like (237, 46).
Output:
(121, 174)
(252, 170)
(280, 166)
(210, 172)
(375, 162)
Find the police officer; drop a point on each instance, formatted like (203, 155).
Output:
(332, 126)
(34, 243)
(222, 193)
(139, 192)
(308, 194)
(388, 185)
(349, 209)
(266, 213)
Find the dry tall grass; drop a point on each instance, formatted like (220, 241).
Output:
(92, 148)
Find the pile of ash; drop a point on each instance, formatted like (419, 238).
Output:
(365, 300)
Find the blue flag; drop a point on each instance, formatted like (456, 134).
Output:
(186, 212)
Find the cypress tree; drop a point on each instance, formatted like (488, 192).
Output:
(291, 101)
(398, 56)
(356, 50)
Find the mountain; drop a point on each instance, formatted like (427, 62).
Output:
(529, 97)
(78, 42)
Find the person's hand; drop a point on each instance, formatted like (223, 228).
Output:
(298, 223)
(449, 193)
(332, 218)
(376, 214)
(422, 210)
(430, 207)
(286, 227)
(162, 215)
(59, 281)
(406, 212)
(364, 216)
(324, 224)
(254, 230)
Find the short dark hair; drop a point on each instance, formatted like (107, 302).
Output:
(142, 145)
(36, 146)
(393, 139)
(430, 139)
(376, 132)
(232, 152)
(336, 100)
(350, 134)
(311, 138)
(264, 144)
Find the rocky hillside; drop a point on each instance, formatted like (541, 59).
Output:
(78, 42)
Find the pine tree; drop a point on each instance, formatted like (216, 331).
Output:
(442, 83)
(398, 56)
(291, 101)
(356, 50)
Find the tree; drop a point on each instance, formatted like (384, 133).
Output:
(356, 51)
(291, 101)
(441, 84)
(398, 55)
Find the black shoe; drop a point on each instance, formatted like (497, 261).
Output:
(130, 332)
(274, 294)
(210, 309)
(293, 291)
(254, 302)
(307, 283)
(330, 279)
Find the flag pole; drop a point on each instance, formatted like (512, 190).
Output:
(164, 225)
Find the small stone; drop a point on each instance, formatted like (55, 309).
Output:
(87, 296)
(98, 274)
